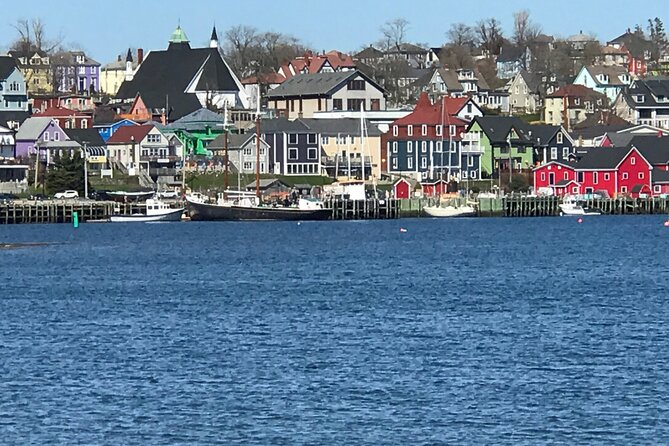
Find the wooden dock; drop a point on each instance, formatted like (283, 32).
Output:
(372, 209)
(62, 211)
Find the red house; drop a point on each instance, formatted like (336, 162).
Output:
(434, 188)
(66, 118)
(402, 188)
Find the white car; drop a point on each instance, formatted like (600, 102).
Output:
(67, 195)
(167, 194)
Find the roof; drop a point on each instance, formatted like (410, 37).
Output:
(199, 119)
(164, 76)
(660, 176)
(574, 90)
(634, 42)
(613, 72)
(235, 141)
(178, 36)
(543, 133)
(13, 116)
(580, 37)
(58, 112)
(70, 58)
(605, 158)
(319, 84)
(497, 128)
(264, 78)
(442, 112)
(532, 81)
(345, 126)
(604, 118)
(90, 136)
(510, 53)
(655, 149)
(369, 53)
(266, 182)
(129, 133)
(7, 66)
(278, 125)
(32, 128)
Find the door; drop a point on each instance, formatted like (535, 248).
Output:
(376, 104)
(551, 178)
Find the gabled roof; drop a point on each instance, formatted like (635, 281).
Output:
(91, 137)
(613, 72)
(542, 134)
(603, 118)
(531, 80)
(660, 176)
(511, 53)
(235, 141)
(634, 42)
(57, 112)
(279, 125)
(497, 128)
(7, 66)
(369, 53)
(344, 127)
(654, 149)
(13, 116)
(70, 58)
(199, 119)
(442, 112)
(573, 90)
(267, 182)
(32, 128)
(604, 158)
(129, 133)
(319, 84)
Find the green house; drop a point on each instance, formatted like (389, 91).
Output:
(197, 129)
(501, 139)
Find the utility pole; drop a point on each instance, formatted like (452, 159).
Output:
(85, 171)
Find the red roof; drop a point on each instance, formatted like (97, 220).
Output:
(265, 78)
(56, 112)
(314, 63)
(573, 90)
(129, 133)
(425, 112)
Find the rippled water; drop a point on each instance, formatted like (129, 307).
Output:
(488, 331)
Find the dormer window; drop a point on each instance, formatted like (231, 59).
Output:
(559, 138)
(640, 98)
(577, 101)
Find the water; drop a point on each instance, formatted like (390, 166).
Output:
(488, 331)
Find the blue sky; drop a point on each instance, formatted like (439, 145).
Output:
(105, 29)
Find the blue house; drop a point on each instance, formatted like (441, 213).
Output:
(13, 93)
(107, 129)
(294, 148)
(551, 143)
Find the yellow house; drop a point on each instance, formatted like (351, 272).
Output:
(343, 148)
(36, 69)
(114, 73)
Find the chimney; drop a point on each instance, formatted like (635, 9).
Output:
(140, 56)
(119, 58)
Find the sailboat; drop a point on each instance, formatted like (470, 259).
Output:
(240, 205)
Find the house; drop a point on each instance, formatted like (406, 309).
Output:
(572, 104)
(426, 145)
(655, 150)
(75, 72)
(107, 129)
(42, 134)
(114, 73)
(512, 59)
(36, 68)
(403, 188)
(13, 93)
(638, 51)
(197, 129)
(343, 149)
(609, 80)
(501, 143)
(611, 55)
(616, 171)
(144, 148)
(369, 55)
(622, 137)
(66, 118)
(180, 80)
(475, 85)
(646, 101)
(578, 42)
(302, 95)
(7, 144)
(551, 143)
(416, 56)
(269, 186)
(13, 119)
(525, 93)
(439, 82)
(241, 152)
(294, 148)
(310, 63)
(94, 145)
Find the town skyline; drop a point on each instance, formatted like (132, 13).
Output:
(138, 30)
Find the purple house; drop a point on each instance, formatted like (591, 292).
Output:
(76, 72)
(43, 134)
(294, 148)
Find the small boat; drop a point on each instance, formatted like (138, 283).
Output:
(450, 211)
(244, 206)
(155, 211)
(572, 207)
(122, 196)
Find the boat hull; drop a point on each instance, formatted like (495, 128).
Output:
(142, 218)
(571, 210)
(450, 211)
(213, 212)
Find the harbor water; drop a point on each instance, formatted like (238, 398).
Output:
(473, 331)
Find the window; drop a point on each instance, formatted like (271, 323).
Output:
(580, 177)
(153, 138)
(439, 146)
(46, 136)
(625, 176)
(559, 138)
(451, 130)
(84, 124)
(355, 104)
(248, 151)
(312, 153)
(566, 175)
(469, 108)
(248, 165)
(577, 101)
(337, 104)
(595, 177)
(453, 146)
(423, 147)
(641, 175)
(292, 138)
(554, 153)
(56, 136)
(657, 189)
(410, 130)
(394, 162)
(292, 153)
(410, 163)
(623, 189)
(543, 176)
(470, 161)
(325, 140)
(395, 147)
(440, 130)
(632, 160)
(424, 129)
(472, 175)
(357, 84)
(394, 130)
(423, 162)
(311, 138)
(574, 190)
(409, 147)
(607, 176)
(464, 174)
(565, 152)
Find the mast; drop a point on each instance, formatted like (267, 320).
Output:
(227, 158)
(362, 141)
(258, 146)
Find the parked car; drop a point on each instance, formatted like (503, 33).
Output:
(99, 195)
(167, 194)
(8, 197)
(67, 195)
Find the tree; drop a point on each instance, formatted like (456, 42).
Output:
(525, 31)
(66, 173)
(32, 37)
(490, 35)
(394, 33)
(461, 34)
(658, 38)
(241, 44)
(456, 57)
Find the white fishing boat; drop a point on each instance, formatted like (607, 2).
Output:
(156, 210)
(571, 207)
(450, 211)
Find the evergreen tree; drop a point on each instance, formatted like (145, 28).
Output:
(66, 173)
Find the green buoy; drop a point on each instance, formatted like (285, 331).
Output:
(75, 219)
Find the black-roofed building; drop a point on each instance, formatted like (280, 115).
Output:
(294, 148)
(512, 59)
(13, 93)
(525, 93)
(551, 143)
(646, 101)
(301, 96)
(179, 80)
(500, 140)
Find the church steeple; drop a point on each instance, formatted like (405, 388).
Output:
(129, 73)
(178, 39)
(213, 43)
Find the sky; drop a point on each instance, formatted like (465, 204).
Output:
(106, 29)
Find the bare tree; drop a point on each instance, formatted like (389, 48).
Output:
(32, 37)
(240, 43)
(394, 33)
(525, 31)
(490, 35)
(461, 34)
(456, 56)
